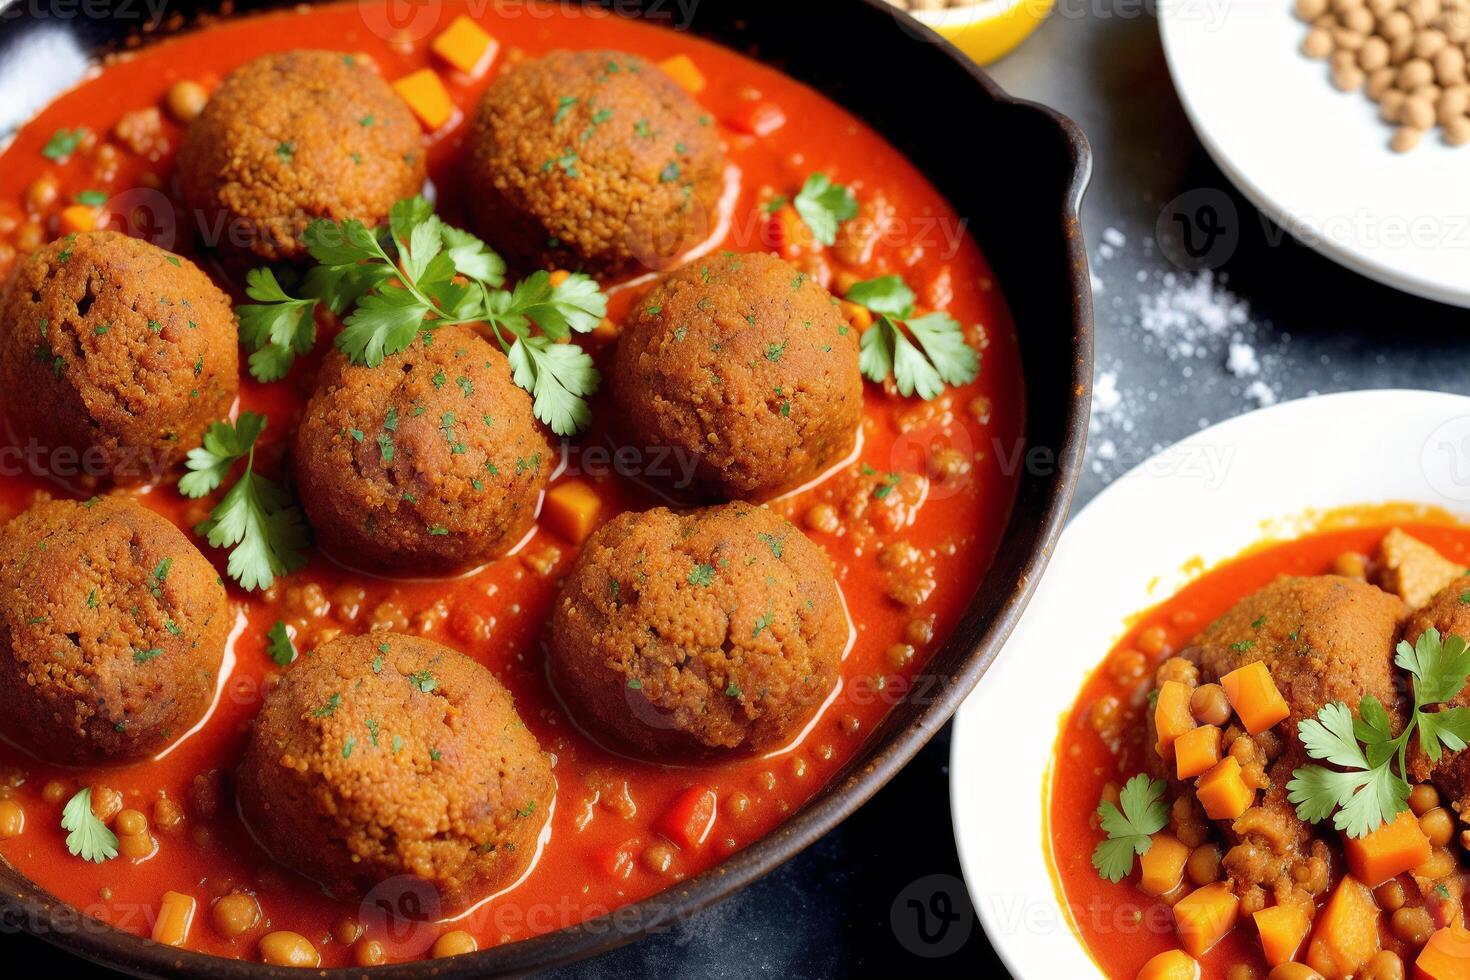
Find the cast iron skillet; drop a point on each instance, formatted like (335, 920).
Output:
(1017, 171)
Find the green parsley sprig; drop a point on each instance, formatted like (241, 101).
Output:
(419, 274)
(824, 205)
(1367, 791)
(256, 519)
(1129, 830)
(88, 837)
(936, 356)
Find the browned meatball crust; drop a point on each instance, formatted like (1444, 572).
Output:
(386, 755)
(117, 350)
(595, 160)
(690, 633)
(112, 630)
(746, 365)
(431, 461)
(1324, 638)
(294, 136)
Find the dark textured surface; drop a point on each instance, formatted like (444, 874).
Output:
(1313, 327)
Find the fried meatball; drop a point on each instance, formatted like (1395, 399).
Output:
(595, 160)
(1324, 638)
(1449, 613)
(745, 364)
(429, 462)
(294, 136)
(692, 633)
(112, 630)
(115, 356)
(386, 755)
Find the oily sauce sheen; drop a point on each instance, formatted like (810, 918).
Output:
(908, 558)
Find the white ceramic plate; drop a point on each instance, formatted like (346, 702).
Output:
(1314, 159)
(1209, 497)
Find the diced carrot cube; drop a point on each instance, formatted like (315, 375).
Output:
(681, 68)
(757, 118)
(175, 915)
(1196, 751)
(1162, 867)
(1390, 850)
(1253, 695)
(77, 218)
(1282, 929)
(1223, 791)
(690, 818)
(1172, 716)
(1172, 964)
(1445, 957)
(571, 510)
(1204, 917)
(427, 97)
(465, 45)
(1346, 936)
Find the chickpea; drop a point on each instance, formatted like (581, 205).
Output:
(1293, 971)
(54, 792)
(347, 931)
(455, 943)
(1209, 705)
(30, 237)
(1152, 640)
(136, 847)
(106, 803)
(12, 819)
(290, 949)
(849, 724)
(1203, 865)
(1438, 826)
(899, 656)
(736, 804)
(235, 914)
(369, 952)
(1176, 669)
(1423, 798)
(1385, 965)
(1353, 564)
(1390, 895)
(204, 793)
(42, 193)
(130, 822)
(168, 816)
(186, 100)
(1411, 925)
(919, 632)
(1441, 862)
(658, 858)
(1127, 666)
(823, 519)
(1240, 971)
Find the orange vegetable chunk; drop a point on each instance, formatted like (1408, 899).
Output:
(681, 68)
(1172, 716)
(175, 914)
(690, 818)
(1223, 791)
(77, 218)
(757, 118)
(1172, 964)
(427, 97)
(1162, 868)
(1390, 850)
(1196, 751)
(571, 510)
(1204, 917)
(465, 45)
(1346, 936)
(1445, 957)
(1282, 929)
(1253, 695)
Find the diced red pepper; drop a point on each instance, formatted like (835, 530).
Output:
(690, 818)
(617, 861)
(757, 118)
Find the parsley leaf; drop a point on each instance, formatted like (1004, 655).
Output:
(945, 358)
(278, 644)
(1144, 813)
(256, 518)
(277, 327)
(889, 295)
(89, 837)
(824, 205)
(558, 377)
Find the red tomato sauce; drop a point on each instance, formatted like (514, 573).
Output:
(607, 806)
(1121, 926)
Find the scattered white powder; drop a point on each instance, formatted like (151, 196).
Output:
(1261, 393)
(1114, 237)
(1241, 361)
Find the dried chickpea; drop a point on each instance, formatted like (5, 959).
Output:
(1417, 112)
(1391, 105)
(289, 949)
(1379, 82)
(1310, 9)
(1415, 72)
(235, 914)
(1405, 138)
(1318, 43)
(1457, 131)
(12, 819)
(455, 943)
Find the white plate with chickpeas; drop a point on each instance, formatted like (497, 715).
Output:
(1347, 122)
(1155, 567)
